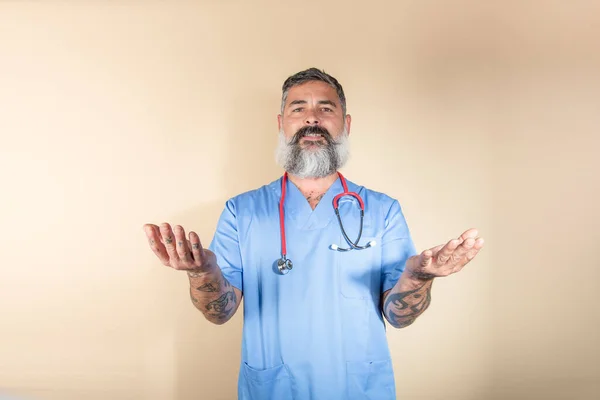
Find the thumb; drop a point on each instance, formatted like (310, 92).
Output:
(418, 262)
(425, 258)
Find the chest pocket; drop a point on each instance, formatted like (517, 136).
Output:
(359, 271)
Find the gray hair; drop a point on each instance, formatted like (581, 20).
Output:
(312, 74)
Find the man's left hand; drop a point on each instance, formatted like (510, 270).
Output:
(445, 259)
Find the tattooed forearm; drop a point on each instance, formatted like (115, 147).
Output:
(222, 304)
(402, 308)
(221, 309)
(212, 294)
(214, 286)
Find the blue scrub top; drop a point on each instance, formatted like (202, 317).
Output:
(318, 331)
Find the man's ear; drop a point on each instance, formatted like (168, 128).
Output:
(348, 122)
(279, 122)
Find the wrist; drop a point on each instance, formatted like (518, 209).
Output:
(414, 279)
(196, 274)
(201, 272)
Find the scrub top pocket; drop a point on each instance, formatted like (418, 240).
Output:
(359, 271)
(370, 380)
(269, 383)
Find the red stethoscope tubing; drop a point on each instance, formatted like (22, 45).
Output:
(335, 206)
(282, 217)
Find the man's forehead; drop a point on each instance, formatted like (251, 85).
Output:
(313, 89)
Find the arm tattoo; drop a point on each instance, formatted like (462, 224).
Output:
(219, 308)
(209, 287)
(216, 299)
(423, 275)
(220, 304)
(403, 308)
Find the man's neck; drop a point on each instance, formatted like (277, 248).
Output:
(313, 188)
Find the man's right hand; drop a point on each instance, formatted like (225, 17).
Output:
(175, 251)
(210, 291)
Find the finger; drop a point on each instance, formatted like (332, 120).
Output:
(479, 243)
(476, 247)
(197, 250)
(183, 251)
(459, 256)
(168, 238)
(444, 254)
(469, 233)
(150, 231)
(469, 254)
(153, 235)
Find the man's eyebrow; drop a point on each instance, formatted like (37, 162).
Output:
(331, 103)
(297, 102)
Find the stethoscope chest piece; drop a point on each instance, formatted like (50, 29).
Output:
(284, 265)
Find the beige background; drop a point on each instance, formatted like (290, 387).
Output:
(472, 114)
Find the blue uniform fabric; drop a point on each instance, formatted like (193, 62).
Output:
(317, 332)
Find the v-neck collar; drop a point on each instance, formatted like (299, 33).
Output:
(299, 212)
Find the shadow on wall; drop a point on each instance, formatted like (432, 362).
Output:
(206, 355)
(248, 164)
(537, 388)
(11, 397)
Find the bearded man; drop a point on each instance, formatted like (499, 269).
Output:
(320, 261)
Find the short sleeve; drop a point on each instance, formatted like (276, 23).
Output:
(397, 247)
(225, 245)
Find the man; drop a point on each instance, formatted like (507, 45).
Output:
(314, 328)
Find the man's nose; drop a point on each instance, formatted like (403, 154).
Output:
(311, 118)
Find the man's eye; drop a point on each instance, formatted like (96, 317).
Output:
(297, 109)
(327, 109)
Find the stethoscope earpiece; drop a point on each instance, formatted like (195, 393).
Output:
(372, 243)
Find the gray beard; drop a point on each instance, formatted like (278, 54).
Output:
(317, 161)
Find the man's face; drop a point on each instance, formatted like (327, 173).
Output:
(313, 103)
(313, 131)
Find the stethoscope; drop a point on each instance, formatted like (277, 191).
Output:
(284, 264)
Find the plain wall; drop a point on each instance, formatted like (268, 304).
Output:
(472, 114)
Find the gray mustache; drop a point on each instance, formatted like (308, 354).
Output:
(306, 130)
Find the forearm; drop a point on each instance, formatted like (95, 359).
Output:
(408, 299)
(213, 295)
